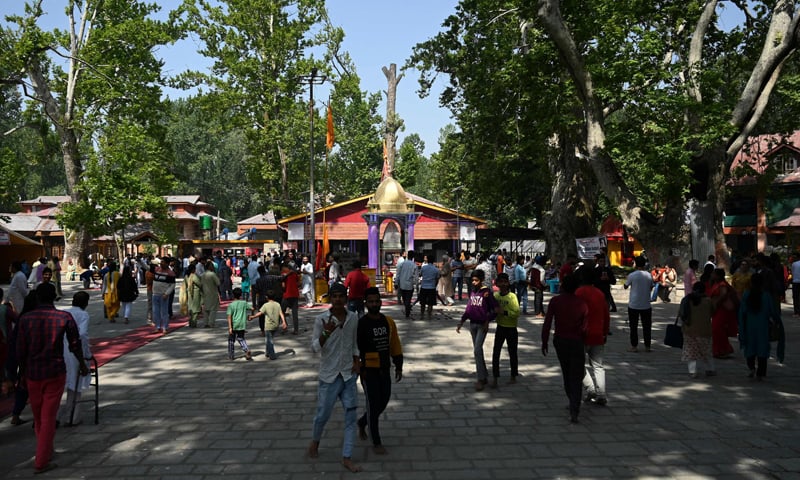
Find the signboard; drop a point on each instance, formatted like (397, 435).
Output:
(297, 231)
(590, 246)
(467, 233)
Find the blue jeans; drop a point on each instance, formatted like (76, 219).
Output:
(327, 394)
(356, 305)
(654, 296)
(458, 286)
(161, 311)
(270, 345)
(478, 337)
(522, 295)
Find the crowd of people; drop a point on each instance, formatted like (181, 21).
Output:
(356, 341)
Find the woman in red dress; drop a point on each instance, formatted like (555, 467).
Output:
(724, 320)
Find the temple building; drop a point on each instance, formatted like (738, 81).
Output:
(377, 228)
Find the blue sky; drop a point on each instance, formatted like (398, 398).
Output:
(377, 33)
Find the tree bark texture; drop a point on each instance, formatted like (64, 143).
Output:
(573, 200)
(393, 123)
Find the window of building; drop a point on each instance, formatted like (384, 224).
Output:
(785, 163)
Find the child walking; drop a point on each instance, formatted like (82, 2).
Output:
(481, 310)
(237, 322)
(273, 313)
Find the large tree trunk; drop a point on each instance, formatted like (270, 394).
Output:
(657, 234)
(284, 174)
(76, 242)
(573, 200)
(393, 123)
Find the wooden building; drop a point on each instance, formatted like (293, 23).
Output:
(398, 220)
(762, 208)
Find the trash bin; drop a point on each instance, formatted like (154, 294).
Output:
(553, 284)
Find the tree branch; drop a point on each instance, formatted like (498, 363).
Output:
(696, 49)
(781, 41)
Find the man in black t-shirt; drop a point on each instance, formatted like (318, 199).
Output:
(378, 342)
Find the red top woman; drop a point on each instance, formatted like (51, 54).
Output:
(724, 320)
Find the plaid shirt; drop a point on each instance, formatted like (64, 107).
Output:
(40, 342)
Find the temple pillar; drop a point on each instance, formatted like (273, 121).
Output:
(373, 241)
(411, 220)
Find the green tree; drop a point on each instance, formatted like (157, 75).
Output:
(354, 167)
(124, 180)
(646, 102)
(410, 162)
(258, 48)
(213, 158)
(102, 66)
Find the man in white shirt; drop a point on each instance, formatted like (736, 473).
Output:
(641, 282)
(335, 338)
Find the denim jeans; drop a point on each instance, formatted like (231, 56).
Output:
(595, 379)
(270, 345)
(478, 337)
(458, 287)
(161, 311)
(522, 295)
(356, 305)
(327, 394)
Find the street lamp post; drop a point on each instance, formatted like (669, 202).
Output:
(458, 221)
(312, 79)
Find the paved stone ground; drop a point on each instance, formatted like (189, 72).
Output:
(177, 408)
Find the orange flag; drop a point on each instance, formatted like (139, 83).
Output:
(330, 139)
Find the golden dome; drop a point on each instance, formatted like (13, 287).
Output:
(390, 197)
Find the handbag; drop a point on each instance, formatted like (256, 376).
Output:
(774, 331)
(674, 335)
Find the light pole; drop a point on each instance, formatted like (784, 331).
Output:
(312, 79)
(458, 221)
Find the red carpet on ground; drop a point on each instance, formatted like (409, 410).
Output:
(108, 349)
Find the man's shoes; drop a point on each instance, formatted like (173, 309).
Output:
(46, 468)
(711, 373)
(379, 449)
(573, 418)
(313, 449)
(512, 380)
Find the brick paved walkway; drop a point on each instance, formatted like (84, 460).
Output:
(176, 408)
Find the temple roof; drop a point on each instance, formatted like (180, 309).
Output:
(390, 197)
